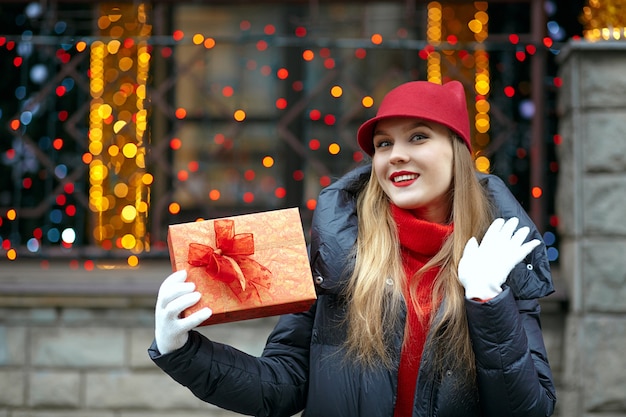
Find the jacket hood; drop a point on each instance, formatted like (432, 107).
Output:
(335, 225)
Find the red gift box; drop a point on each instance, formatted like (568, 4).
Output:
(248, 266)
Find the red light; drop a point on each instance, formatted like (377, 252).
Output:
(548, 42)
(554, 221)
(513, 38)
(324, 52)
(228, 91)
(68, 188)
(280, 192)
(63, 115)
(70, 210)
(452, 39)
(57, 143)
(297, 86)
(17, 61)
(89, 265)
(558, 139)
(193, 166)
(329, 63)
(357, 156)
(61, 200)
(537, 192)
(281, 104)
(182, 175)
(249, 175)
(311, 204)
(261, 45)
(558, 82)
(27, 183)
(325, 181)
(298, 175)
(315, 114)
(38, 233)
(520, 56)
(314, 144)
(509, 91)
(248, 197)
(360, 53)
(128, 43)
(166, 52)
(269, 29)
(178, 35)
(531, 49)
(300, 32)
(282, 73)
(176, 144)
(329, 119)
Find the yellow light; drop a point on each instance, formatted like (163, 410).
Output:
(174, 208)
(129, 150)
(482, 164)
(81, 46)
(129, 213)
(133, 261)
(105, 111)
(120, 190)
(95, 148)
(11, 214)
(125, 64)
(367, 101)
(98, 172)
(119, 125)
(268, 162)
(334, 148)
(147, 179)
(128, 241)
(114, 46)
(197, 39)
(336, 91)
(11, 254)
(239, 115)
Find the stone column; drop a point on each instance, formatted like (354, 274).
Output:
(591, 204)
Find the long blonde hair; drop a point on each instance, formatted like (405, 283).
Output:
(375, 298)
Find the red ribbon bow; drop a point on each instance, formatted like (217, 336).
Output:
(229, 262)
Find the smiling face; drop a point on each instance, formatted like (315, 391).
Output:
(413, 164)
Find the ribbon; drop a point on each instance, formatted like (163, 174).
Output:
(230, 261)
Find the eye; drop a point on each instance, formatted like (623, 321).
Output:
(416, 137)
(382, 142)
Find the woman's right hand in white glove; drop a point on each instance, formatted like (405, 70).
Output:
(171, 331)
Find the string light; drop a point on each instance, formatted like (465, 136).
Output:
(119, 191)
(604, 20)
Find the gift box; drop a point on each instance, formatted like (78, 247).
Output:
(247, 266)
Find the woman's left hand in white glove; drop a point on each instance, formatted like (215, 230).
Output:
(484, 268)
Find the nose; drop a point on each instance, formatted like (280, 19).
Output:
(398, 154)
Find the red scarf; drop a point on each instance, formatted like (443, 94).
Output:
(420, 241)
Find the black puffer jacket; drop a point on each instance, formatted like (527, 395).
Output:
(302, 366)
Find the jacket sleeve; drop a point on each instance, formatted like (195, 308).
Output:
(513, 374)
(274, 384)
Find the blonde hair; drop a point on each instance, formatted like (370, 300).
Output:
(374, 307)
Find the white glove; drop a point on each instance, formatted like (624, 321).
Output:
(171, 331)
(484, 268)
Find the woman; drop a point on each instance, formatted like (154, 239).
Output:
(414, 317)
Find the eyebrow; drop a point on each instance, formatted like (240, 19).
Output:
(418, 123)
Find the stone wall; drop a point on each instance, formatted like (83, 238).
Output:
(83, 352)
(591, 204)
(74, 344)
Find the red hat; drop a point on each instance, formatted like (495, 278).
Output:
(444, 104)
